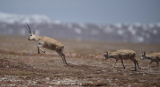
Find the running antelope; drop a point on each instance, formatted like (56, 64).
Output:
(154, 57)
(122, 55)
(48, 43)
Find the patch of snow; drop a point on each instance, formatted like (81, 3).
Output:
(26, 20)
(23, 19)
(84, 26)
(132, 30)
(151, 25)
(145, 27)
(57, 22)
(40, 19)
(118, 25)
(137, 24)
(108, 29)
(7, 18)
(155, 32)
(140, 39)
(120, 32)
(78, 31)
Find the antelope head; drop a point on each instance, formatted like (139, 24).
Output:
(32, 35)
(143, 56)
(105, 55)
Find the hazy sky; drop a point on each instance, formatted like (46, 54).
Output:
(88, 11)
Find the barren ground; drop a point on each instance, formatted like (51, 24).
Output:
(21, 66)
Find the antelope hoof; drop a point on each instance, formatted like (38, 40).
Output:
(66, 64)
(44, 52)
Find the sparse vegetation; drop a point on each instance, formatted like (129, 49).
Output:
(20, 65)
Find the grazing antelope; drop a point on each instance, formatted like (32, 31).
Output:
(48, 43)
(154, 57)
(122, 55)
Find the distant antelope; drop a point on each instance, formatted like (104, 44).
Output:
(122, 55)
(154, 57)
(48, 43)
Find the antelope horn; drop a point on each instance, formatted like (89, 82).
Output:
(29, 29)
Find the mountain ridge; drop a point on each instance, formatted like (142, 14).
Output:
(119, 32)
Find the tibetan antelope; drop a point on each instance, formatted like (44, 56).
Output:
(46, 42)
(154, 57)
(122, 55)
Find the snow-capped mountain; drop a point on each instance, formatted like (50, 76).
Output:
(120, 32)
(22, 19)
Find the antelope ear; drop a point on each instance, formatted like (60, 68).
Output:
(33, 32)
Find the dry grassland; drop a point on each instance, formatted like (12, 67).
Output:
(20, 65)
